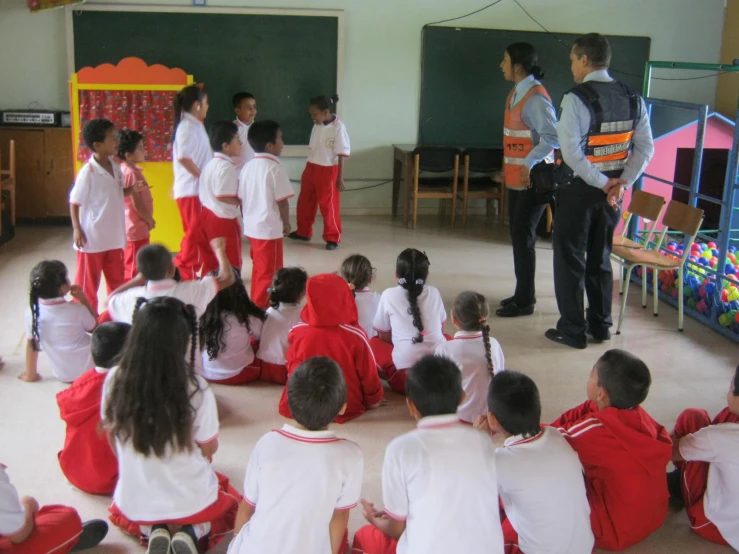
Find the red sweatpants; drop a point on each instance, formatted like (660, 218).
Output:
(248, 374)
(90, 268)
(129, 257)
(189, 260)
(56, 529)
(266, 259)
(370, 540)
(318, 190)
(695, 474)
(383, 352)
(215, 227)
(510, 538)
(273, 373)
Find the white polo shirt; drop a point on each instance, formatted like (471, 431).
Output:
(392, 315)
(102, 209)
(273, 345)
(718, 445)
(198, 293)
(220, 180)
(247, 152)
(238, 353)
(12, 514)
(296, 479)
(180, 484)
(64, 328)
(548, 509)
(467, 350)
(263, 183)
(444, 471)
(367, 303)
(327, 142)
(190, 141)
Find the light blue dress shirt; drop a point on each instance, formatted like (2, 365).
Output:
(573, 127)
(538, 115)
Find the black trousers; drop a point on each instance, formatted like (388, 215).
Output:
(525, 214)
(583, 238)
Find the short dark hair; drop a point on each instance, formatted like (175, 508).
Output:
(95, 131)
(128, 141)
(324, 103)
(624, 377)
(513, 399)
(239, 97)
(222, 132)
(154, 262)
(107, 343)
(596, 47)
(316, 392)
(261, 133)
(434, 385)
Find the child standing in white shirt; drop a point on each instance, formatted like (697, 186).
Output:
(359, 273)
(245, 106)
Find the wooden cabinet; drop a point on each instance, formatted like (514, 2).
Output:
(44, 170)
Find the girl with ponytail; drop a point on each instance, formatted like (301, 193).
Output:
(478, 355)
(409, 320)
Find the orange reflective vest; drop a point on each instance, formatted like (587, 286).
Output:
(517, 137)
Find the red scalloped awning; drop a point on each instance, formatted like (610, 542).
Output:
(132, 71)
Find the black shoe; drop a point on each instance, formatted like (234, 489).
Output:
(295, 236)
(675, 488)
(510, 299)
(558, 336)
(599, 336)
(514, 310)
(93, 533)
(185, 541)
(332, 245)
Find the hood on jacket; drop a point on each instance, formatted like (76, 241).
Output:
(329, 302)
(80, 402)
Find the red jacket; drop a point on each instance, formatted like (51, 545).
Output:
(86, 460)
(624, 454)
(330, 328)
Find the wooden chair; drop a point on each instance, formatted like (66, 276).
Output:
(678, 217)
(647, 206)
(7, 182)
(433, 159)
(485, 162)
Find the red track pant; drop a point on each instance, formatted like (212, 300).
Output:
(129, 257)
(90, 269)
(189, 260)
(510, 538)
(215, 227)
(383, 352)
(266, 259)
(273, 373)
(318, 190)
(56, 530)
(370, 540)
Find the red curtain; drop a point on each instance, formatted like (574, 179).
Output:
(148, 112)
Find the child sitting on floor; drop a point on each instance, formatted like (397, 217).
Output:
(359, 273)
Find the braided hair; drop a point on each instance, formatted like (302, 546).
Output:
(288, 286)
(47, 279)
(471, 311)
(412, 270)
(357, 270)
(233, 300)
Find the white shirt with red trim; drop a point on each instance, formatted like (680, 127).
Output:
(64, 329)
(548, 509)
(273, 344)
(392, 315)
(247, 152)
(467, 350)
(328, 141)
(443, 475)
(102, 210)
(178, 485)
(296, 479)
(191, 142)
(12, 514)
(262, 184)
(367, 303)
(238, 352)
(220, 180)
(718, 445)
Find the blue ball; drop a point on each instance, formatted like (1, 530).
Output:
(732, 249)
(734, 305)
(710, 288)
(715, 252)
(703, 261)
(722, 307)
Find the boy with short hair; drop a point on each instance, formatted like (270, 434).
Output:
(439, 483)
(219, 196)
(302, 481)
(547, 512)
(245, 106)
(623, 450)
(706, 478)
(87, 460)
(264, 189)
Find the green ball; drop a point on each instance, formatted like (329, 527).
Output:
(725, 320)
(691, 302)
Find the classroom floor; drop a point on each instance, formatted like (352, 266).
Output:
(688, 369)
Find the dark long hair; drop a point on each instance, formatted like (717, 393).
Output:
(233, 300)
(471, 311)
(524, 54)
(357, 270)
(185, 100)
(47, 278)
(325, 102)
(150, 401)
(412, 269)
(288, 285)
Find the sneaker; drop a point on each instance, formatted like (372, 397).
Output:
(93, 533)
(295, 236)
(159, 540)
(185, 541)
(332, 245)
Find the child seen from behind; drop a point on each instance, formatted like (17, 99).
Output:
(359, 273)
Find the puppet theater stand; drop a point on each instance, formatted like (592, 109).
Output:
(136, 96)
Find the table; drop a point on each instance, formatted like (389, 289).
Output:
(402, 157)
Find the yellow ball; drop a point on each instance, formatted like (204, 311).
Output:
(732, 294)
(707, 255)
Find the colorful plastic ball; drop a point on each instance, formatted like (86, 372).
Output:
(711, 245)
(674, 293)
(725, 320)
(702, 307)
(714, 252)
(729, 269)
(734, 305)
(736, 317)
(713, 262)
(710, 288)
(732, 293)
(691, 303)
(731, 257)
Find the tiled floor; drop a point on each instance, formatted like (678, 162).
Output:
(688, 369)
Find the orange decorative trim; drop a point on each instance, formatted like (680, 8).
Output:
(132, 71)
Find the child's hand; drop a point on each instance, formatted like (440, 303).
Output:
(77, 293)
(340, 184)
(138, 186)
(29, 377)
(218, 244)
(286, 228)
(79, 238)
(481, 423)
(151, 223)
(380, 404)
(370, 513)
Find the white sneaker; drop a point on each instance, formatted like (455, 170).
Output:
(159, 542)
(182, 543)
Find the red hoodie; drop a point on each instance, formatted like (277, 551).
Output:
(86, 460)
(624, 454)
(330, 328)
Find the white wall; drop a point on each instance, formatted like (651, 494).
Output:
(383, 53)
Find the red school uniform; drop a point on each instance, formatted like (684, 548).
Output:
(624, 454)
(330, 328)
(137, 230)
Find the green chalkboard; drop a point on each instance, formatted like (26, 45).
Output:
(463, 92)
(283, 60)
